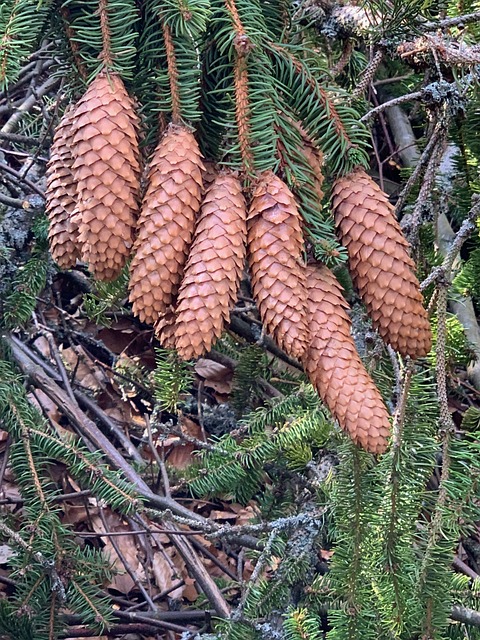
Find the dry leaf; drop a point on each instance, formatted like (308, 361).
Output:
(216, 375)
(43, 402)
(86, 373)
(164, 576)
(43, 347)
(128, 547)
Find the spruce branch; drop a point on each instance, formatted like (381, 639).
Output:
(106, 53)
(172, 74)
(242, 46)
(72, 41)
(456, 21)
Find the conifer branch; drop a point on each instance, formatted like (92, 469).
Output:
(318, 91)
(172, 74)
(106, 54)
(75, 49)
(242, 46)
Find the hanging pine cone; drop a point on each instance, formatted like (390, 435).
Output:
(60, 196)
(380, 265)
(334, 367)
(315, 160)
(166, 224)
(214, 268)
(107, 173)
(275, 245)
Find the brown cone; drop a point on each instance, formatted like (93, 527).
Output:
(165, 329)
(60, 196)
(334, 367)
(166, 224)
(214, 268)
(380, 265)
(107, 173)
(275, 245)
(315, 160)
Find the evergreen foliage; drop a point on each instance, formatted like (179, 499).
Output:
(53, 571)
(31, 278)
(171, 378)
(350, 545)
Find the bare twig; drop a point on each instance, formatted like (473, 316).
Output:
(452, 22)
(408, 97)
(29, 102)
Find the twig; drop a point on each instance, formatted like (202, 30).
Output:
(344, 59)
(160, 595)
(262, 560)
(243, 329)
(160, 462)
(16, 174)
(28, 103)
(125, 563)
(425, 194)
(368, 74)
(15, 137)
(208, 554)
(399, 417)
(16, 203)
(465, 615)
(415, 95)
(419, 167)
(452, 22)
(465, 569)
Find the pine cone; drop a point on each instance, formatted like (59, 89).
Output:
(166, 224)
(214, 268)
(380, 265)
(107, 172)
(275, 245)
(60, 196)
(334, 366)
(165, 329)
(315, 159)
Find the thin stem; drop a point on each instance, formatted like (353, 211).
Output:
(106, 54)
(172, 74)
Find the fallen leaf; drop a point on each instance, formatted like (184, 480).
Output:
(6, 552)
(42, 401)
(217, 376)
(42, 345)
(127, 544)
(87, 374)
